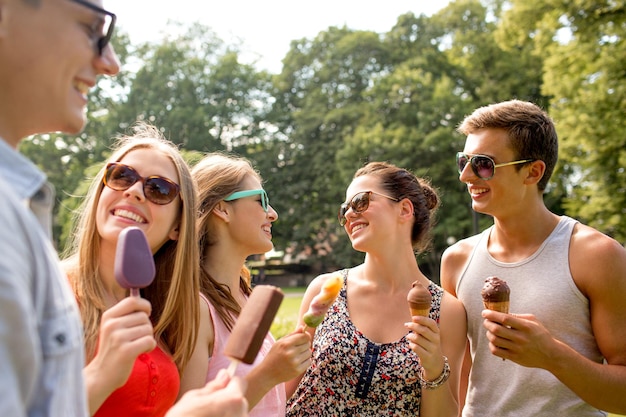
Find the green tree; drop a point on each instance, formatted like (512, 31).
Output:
(319, 102)
(584, 49)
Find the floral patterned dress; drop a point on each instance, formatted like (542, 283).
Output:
(353, 376)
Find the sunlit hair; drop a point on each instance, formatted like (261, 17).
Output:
(174, 293)
(217, 176)
(400, 183)
(530, 130)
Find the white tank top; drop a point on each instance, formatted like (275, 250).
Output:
(541, 285)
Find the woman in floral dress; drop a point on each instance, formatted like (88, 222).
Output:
(370, 357)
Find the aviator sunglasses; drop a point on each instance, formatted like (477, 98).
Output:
(158, 190)
(483, 166)
(358, 203)
(265, 201)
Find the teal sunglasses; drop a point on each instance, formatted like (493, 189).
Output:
(265, 201)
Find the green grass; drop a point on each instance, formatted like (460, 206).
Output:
(287, 317)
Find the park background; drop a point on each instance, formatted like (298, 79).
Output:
(346, 96)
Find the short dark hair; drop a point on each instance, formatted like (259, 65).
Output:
(531, 131)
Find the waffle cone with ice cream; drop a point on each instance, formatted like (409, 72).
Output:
(419, 300)
(495, 294)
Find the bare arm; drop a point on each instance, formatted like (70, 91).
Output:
(598, 266)
(195, 373)
(312, 290)
(431, 344)
(452, 263)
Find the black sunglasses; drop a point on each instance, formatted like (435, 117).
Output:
(108, 24)
(358, 203)
(159, 190)
(483, 166)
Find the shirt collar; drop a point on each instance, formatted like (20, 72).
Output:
(20, 172)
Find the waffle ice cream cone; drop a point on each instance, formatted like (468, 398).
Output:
(496, 294)
(501, 306)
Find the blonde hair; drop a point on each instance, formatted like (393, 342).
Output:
(174, 291)
(217, 176)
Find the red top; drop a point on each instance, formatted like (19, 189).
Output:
(151, 389)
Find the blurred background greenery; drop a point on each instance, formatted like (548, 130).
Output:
(287, 316)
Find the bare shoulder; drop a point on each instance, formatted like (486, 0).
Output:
(453, 260)
(206, 329)
(592, 241)
(594, 255)
(598, 267)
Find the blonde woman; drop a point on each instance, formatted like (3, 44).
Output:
(136, 348)
(235, 221)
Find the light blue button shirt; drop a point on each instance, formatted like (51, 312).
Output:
(41, 342)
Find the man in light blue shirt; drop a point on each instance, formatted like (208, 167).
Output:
(51, 53)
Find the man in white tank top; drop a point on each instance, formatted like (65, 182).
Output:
(562, 349)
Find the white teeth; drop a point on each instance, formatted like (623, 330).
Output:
(82, 87)
(267, 230)
(129, 215)
(358, 227)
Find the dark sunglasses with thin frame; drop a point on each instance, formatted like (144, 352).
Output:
(358, 203)
(158, 190)
(482, 165)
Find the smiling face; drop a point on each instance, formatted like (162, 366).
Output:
(505, 188)
(120, 209)
(48, 65)
(378, 222)
(250, 226)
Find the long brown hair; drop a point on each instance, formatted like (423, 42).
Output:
(174, 291)
(217, 176)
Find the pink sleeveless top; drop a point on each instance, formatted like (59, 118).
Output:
(274, 402)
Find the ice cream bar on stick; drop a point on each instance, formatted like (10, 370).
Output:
(419, 300)
(321, 302)
(134, 264)
(252, 325)
(495, 294)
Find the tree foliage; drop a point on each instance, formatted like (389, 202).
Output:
(584, 72)
(345, 97)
